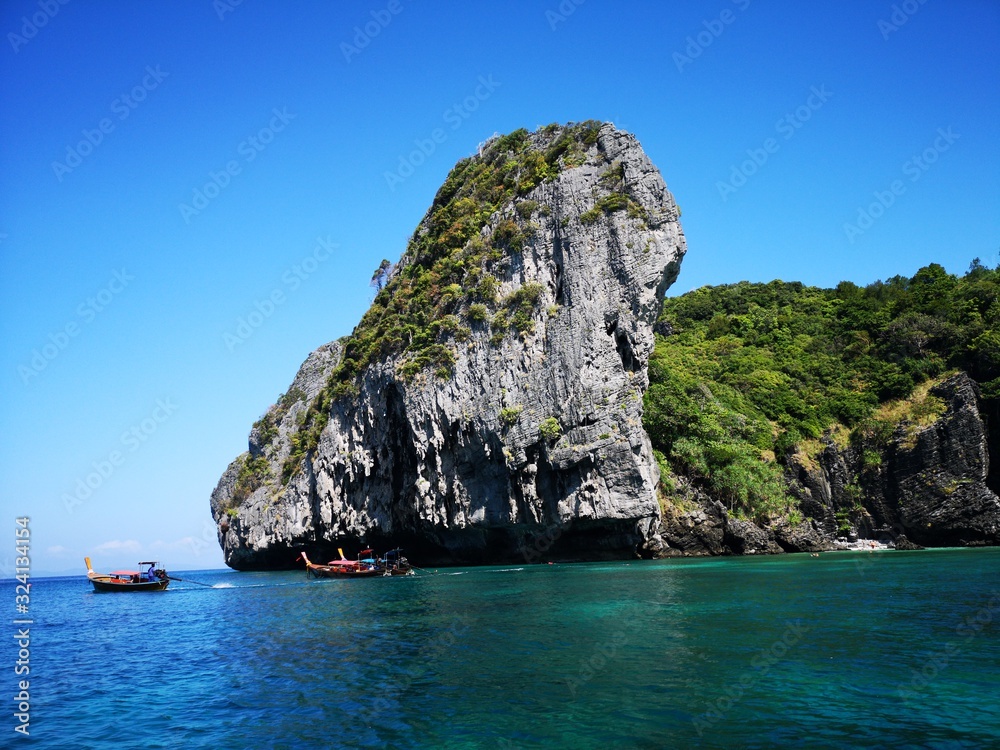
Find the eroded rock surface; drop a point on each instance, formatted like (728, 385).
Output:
(928, 487)
(532, 446)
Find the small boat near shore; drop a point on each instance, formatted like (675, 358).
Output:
(393, 564)
(397, 565)
(343, 568)
(154, 578)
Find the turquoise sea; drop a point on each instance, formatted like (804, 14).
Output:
(890, 649)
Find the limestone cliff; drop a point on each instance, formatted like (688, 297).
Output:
(923, 483)
(927, 482)
(489, 405)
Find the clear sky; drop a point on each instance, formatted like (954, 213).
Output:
(167, 167)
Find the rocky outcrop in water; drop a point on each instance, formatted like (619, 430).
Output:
(518, 432)
(932, 484)
(926, 485)
(489, 405)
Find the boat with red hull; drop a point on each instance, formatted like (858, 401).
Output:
(393, 564)
(154, 579)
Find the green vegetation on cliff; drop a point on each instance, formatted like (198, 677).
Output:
(445, 283)
(753, 372)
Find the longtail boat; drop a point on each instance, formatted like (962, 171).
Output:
(395, 564)
(344, 568)
(153, 579)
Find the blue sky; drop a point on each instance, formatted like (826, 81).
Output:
(168, 170)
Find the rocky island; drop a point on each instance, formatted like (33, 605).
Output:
(495, 402)
(490, 401)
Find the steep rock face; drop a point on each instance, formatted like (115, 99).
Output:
(263, 523)
(935, 489)
(532, 444)
(928, 484)
(925, 486)
(709, 530)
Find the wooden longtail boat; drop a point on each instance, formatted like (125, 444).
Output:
(395, 564)
(344, 568)
(154, 579)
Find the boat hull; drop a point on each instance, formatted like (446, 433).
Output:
(333, 571)
(128, 580)
(107, 584)
(345, 568)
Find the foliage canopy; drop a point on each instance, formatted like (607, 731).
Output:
(751, 371)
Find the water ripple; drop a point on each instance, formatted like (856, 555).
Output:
(689, 653)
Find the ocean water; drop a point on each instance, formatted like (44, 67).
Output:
(891, 649)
